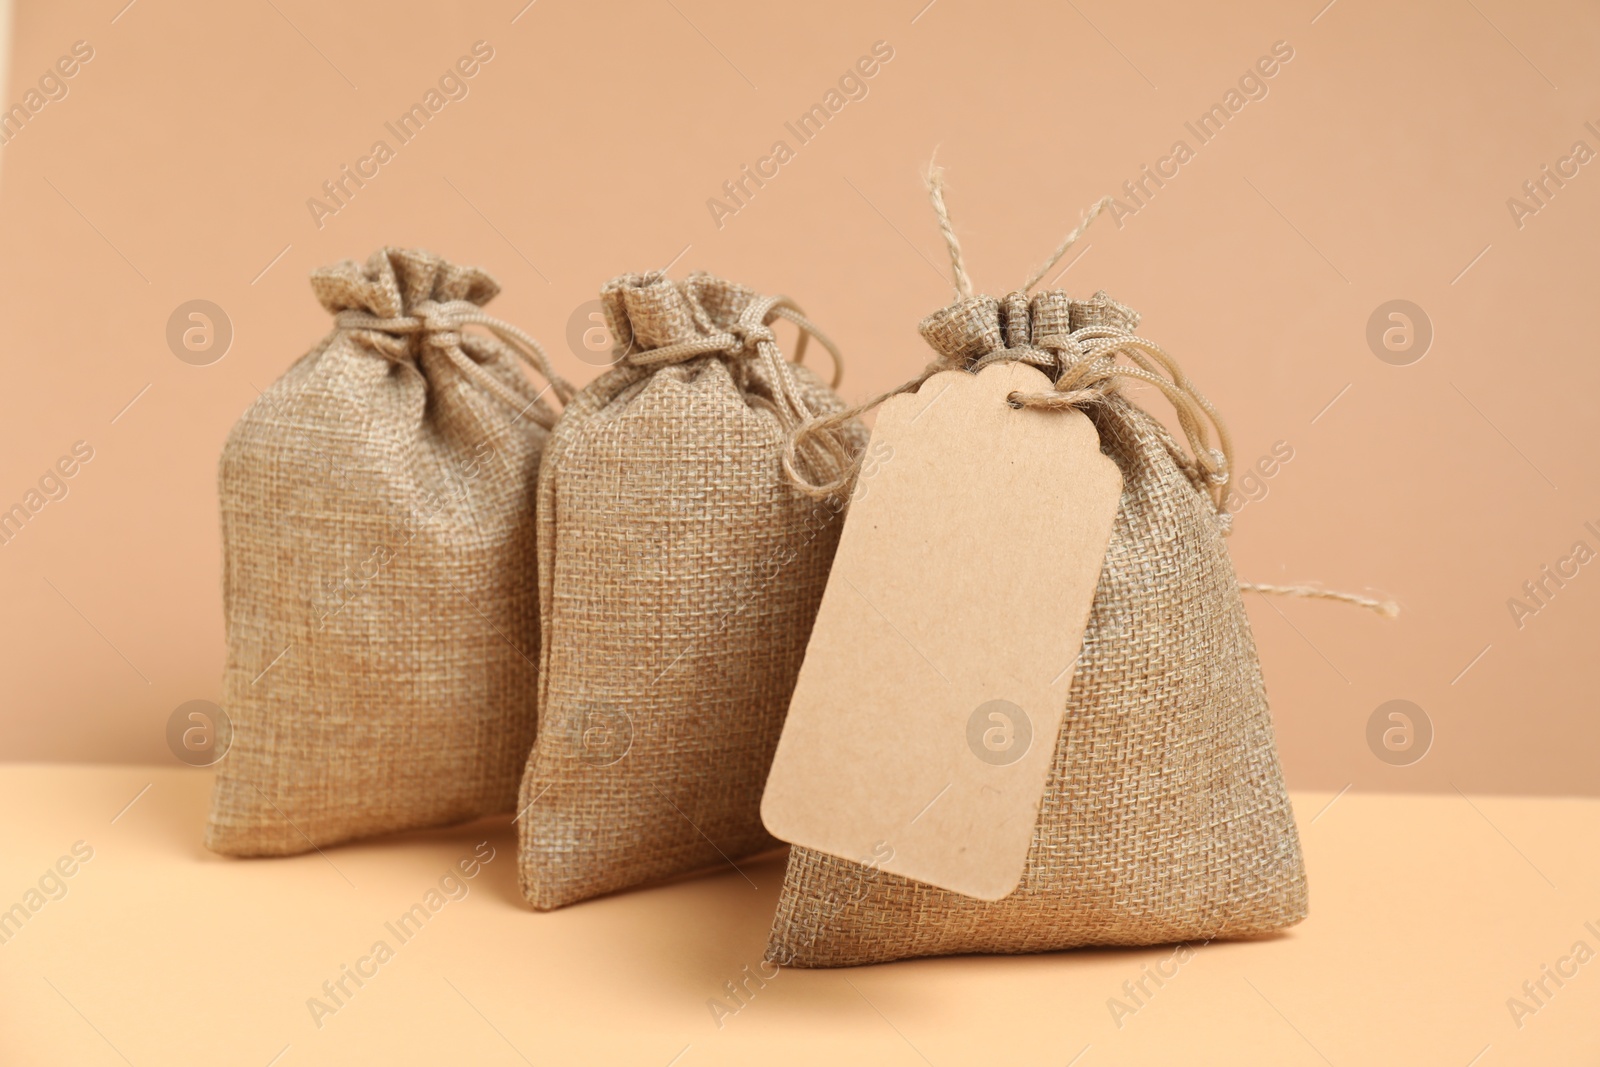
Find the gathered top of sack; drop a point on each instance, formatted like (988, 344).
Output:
(403, 300)
(1076, 344)
(656, 322)
(1038, 331)
(396, 282)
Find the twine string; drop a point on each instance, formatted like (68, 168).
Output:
(1080, 362)
(1083, 365)
(1087, 374)
(1387, 608)
(934, 180)
(745, 337)
(1067, 242)
(441, 322)
(751, 337)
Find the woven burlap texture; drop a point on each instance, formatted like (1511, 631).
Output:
(1165, 817)
(679, 578)
(379, 584)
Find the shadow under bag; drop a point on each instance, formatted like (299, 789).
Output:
(379, 578)
(1164, 817)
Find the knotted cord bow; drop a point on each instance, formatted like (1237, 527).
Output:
(746, 336)
(1084, 368)
(440, 323)
(751, 337)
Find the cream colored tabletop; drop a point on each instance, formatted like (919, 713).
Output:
(1445, 930)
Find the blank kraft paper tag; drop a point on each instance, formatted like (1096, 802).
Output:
(925, 717)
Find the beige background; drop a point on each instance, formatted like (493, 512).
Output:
(1377, 167)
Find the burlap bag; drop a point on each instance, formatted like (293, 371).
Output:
(679, 575)
(1165, 817)
(378, 568)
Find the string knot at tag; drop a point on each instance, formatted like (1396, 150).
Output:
(1087, 372)
(1075, 342)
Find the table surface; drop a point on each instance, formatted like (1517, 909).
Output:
(1428, 915)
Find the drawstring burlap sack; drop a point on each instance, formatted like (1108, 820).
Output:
(1165, 817)
(679, 576)
(379, 577)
